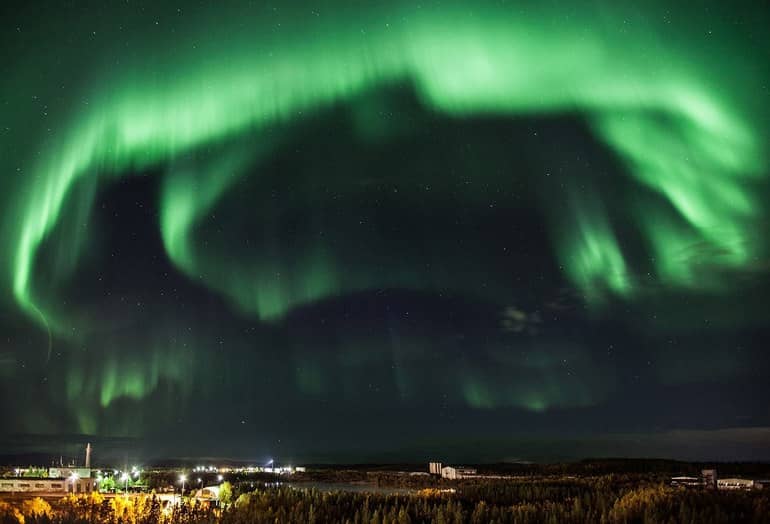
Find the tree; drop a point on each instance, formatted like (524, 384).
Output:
(243, 500)
(107, 484)
(225, 494)
(36, 507)
(10, 514)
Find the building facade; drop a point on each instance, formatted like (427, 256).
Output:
(454, 473)
(735, 484)
(61, 486)
(434, 468)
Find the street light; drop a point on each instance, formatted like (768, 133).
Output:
(219, 478)
(125, 478)
(182, 479)
(73, 479)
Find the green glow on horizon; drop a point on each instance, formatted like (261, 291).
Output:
(679, 135)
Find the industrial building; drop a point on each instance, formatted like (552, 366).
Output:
(450, 472)
(47, 485)
(55, 480)
(454, 473)
(710, 480)
(710, 477)
(735, 484)
(687, 481)
(434, 468)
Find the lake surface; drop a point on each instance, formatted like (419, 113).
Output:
(332, 487)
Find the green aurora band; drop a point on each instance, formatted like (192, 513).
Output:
(669, 109)
(680, 136)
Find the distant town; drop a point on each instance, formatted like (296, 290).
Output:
(202, 482)
(615, 488)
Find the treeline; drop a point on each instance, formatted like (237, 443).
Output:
(596, 466)
(600, 500)
(658, 467)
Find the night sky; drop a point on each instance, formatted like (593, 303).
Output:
(405, 231)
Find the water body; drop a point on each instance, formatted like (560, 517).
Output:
(350, 487)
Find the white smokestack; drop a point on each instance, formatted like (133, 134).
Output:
(88, 455)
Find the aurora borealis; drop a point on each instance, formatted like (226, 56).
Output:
(324, 225)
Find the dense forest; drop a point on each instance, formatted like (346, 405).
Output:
(601, 499)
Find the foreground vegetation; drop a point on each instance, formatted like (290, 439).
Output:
(603, 499)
